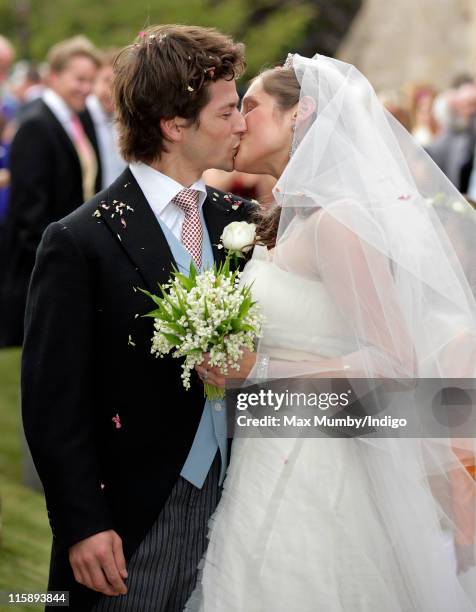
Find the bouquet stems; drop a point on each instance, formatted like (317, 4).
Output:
(213, 393)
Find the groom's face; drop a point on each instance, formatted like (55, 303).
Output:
(214, 140)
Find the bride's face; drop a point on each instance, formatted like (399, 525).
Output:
(264, 147)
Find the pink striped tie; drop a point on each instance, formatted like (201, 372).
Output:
(192, 231)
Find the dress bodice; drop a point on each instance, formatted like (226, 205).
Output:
(301, 316)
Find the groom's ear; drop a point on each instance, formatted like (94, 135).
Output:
(306, 108)
(172, 129)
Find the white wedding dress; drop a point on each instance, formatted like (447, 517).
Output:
(310, 524)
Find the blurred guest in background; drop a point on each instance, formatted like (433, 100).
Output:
(461, 79)
(101, 109)
(27, 85)
(424, 125)
(467, 109)
(249, 186)
(54, 167)
(4, 175)
(443, 109)
(453, 149)
(8, 109)
(8, 104)
(7, 55)
(27, 82)
(396, 104)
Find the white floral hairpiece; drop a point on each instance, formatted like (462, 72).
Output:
(288, 64)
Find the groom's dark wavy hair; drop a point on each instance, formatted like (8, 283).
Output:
(166, 74)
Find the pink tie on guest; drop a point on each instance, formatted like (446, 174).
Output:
(192, 231)
(79, 135)
(87, 156)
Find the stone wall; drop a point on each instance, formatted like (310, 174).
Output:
(394, 42)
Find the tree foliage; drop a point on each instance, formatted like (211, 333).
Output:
(269, 28)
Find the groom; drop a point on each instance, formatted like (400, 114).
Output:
(132, 463)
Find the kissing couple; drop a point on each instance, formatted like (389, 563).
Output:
(358, 279)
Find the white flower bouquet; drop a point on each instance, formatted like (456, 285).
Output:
(208, 312)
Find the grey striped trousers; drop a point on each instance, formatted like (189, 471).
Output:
(162, 572)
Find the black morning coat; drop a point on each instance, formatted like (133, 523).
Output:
(109, 425)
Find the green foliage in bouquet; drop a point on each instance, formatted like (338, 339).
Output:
(207, 312)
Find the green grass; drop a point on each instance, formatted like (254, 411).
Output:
(25, 538)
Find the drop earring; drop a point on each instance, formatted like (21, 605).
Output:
(293, 137)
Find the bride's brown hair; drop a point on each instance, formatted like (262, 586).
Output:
(282, 84)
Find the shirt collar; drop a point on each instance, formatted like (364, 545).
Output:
(160, 189)
(96, 110)
(57, 106)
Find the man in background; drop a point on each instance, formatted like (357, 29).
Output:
(54, 166)
(453, 149)
(7, 57)
(101, 109)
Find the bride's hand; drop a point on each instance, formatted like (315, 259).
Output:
(213, 375)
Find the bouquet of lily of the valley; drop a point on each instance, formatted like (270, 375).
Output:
(208, 312)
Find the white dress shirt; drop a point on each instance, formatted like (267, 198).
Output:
(159, 190)
(112, 163)
(60, 110)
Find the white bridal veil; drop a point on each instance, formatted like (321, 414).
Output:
(367, 212)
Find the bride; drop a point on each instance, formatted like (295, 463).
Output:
(358, 279)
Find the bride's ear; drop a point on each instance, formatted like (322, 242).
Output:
(306, 108)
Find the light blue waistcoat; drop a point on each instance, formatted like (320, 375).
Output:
(211, 432)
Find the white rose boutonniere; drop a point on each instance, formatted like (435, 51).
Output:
(238, 238)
